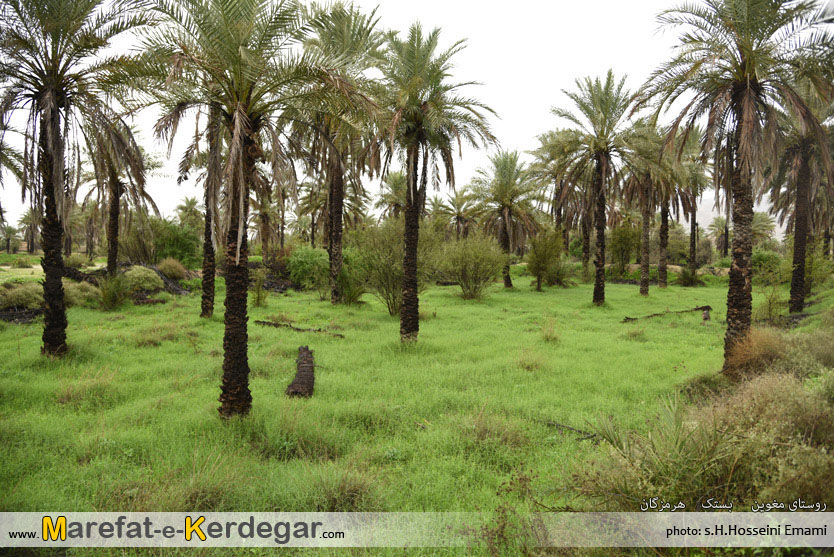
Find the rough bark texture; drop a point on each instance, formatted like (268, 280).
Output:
(304, 381)
(336, 208)
(586, 243)
(599, 223)
(114, 200)
(207, 301)
(800, 236)
(740, 293)
(662, 276)
(235, 397)
(51, 156)
(504, 237)
(410, 308)
(693, 239)
(646, 219)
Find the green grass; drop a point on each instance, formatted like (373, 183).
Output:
(128, 420)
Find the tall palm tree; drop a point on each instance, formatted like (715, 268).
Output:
(252, 71)
(52, 67)
(735, 63)
(426, 116)
(803, 166)
(11, 160)
(507, 192)
(189, 213)
(345, 34)
(391, 199)
(119, 174)
(718, 232)
(598, 145)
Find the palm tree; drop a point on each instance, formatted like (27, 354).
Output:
(426, 117)
(460, 211)
(718, 232)
(803, 164)
(8, 234)
(391, 199)
(345, 34)
(762, 228)
(507, 192)
(52, 68)
(597, 145)
(10, 160)
(119, 174)
(189, 213)
(252, 72)
(736, 62)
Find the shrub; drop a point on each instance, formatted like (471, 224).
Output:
(151, 239)
(309, 268)
(351, 280)
(28, 295)
(80, 294)
(625, 240)
(755, 352)
(76, 261)
(113, 292)
(688, 277)
(818, 268)
(138, 279)
(766, 264)
(21, 263)
(724, 263)
(768, 439)
(473, 262)
(172, 269)
(259, 293)
(381, 248)
(545, 252)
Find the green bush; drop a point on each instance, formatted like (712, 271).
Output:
(138, 279)
(80, 294)
(625, 241)
(309, 268)
(381, 248)
(76, 261)
(149, 240)
(259, 293)
(172, 268)
(688, 277)
(352, 278)
(473, 262)
(27, 295)
(113, 292)
(545, 252)
(766, 262)
(21, 263)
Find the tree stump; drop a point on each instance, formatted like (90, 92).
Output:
(302, 384)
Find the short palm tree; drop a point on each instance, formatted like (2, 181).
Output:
(189, 213)
(598, 145)
(252, 73)
(425, 116)
(460, 211)
(736, 62)
(507, 192)
(52, 67)
(391, 199)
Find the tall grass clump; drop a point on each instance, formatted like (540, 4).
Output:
(113, 292)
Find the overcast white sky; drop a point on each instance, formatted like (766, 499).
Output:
(523, 52)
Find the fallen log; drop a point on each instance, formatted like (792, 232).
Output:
(304, 380)
(21, 316)
(297, 329)
(699, 308)
(80, 276)
(582, 434)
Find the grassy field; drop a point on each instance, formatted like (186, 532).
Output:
(127, 421)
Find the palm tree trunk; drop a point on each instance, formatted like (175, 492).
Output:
(207, 300)
(800, 236)
(114, 206)
(235, 397)
(283, 224)
(67, 243)
(313, 231)
(504, 237)
(337, 202)
(827, 242)
(693, 246)
(410, 308)
(51, 157)
(644, 245)
(586, 242)
(740, 293)
(662, 274)
(599, 223)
